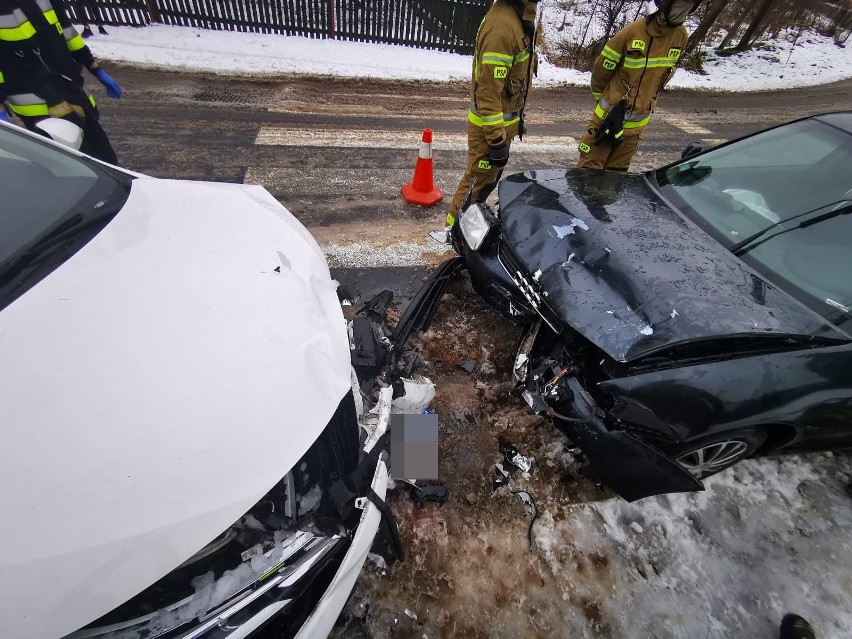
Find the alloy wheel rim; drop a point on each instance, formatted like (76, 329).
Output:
(713, 457)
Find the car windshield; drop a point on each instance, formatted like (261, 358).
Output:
(781, 201)
(51, 199)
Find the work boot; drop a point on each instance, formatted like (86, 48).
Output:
(442, 236)
(101, 30)
(795, 627)
(87, 32)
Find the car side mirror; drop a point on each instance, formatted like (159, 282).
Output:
(692, 149)
(62, 131)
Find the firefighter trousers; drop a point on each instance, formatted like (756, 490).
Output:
(604, 155)
(478, 169)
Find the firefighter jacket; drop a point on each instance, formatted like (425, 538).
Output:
(635, 65)
(39, 49)
(503, 65)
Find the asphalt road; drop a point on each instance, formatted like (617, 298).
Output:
(336, 151)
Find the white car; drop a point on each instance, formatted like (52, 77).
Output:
(177, 409)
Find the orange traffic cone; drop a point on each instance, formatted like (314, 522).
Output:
(422, 190)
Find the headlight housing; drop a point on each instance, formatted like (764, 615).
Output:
(477, 224)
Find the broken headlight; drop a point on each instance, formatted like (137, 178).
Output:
(477, 224)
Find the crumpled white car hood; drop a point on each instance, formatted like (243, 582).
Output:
(153, 388)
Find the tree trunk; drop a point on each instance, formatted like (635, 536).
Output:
(732, 32)
(748, 36)
(704, 27)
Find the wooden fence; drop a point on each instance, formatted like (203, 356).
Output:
(446, 25)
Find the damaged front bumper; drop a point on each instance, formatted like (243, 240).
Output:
(628, 465)
(308, 544)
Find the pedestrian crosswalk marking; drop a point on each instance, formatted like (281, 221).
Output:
(381, 139)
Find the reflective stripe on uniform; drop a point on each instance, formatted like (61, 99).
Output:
(631, 120)
(2, 78)
(500, 59)
(523, 56)
(650, 63)
(76, 43)
(611, 54)
(23, 31)
(506, 119)
(28, 104)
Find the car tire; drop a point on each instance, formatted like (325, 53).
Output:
(706, 456)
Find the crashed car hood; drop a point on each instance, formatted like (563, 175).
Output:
(629, 273)
(154, 387)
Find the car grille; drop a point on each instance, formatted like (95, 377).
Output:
(530, 289)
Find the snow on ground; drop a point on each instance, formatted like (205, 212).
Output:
(767, 537)
(814, 59)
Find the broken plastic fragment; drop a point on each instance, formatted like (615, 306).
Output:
(469, 365)
(417, 396)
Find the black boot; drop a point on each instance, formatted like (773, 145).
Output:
(795, 627)
(101, 30)
(87, 32)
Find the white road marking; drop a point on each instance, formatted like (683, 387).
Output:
(685, 125)
(381, 139)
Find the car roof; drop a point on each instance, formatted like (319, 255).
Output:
(841, 120)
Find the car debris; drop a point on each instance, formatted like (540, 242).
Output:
(468, 365)
(513, 457)
(434, 492)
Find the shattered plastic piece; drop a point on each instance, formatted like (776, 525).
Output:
(513, 457)
(501, 477)
(421, 493)
(417, 396)
(469, 365)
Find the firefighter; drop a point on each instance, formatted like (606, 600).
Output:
(41, 62)
(504, 62)
(627, 77)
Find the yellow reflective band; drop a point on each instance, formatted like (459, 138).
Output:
(640, 123)
(585, 148)
(523, 56)
(619, 134)
(512, 121)
(451, 220)
(628, 124)
(30, 110)
(656, 63)
(92, 100)
(50, 16)
(485, 165)
(501, 73)
(489, 120)
(612, 54)
(635, 63)
(596, 96)
(16, 34)
(500, 59)
(76, 43)
(2, 79)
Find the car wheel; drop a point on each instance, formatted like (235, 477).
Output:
(709, 455)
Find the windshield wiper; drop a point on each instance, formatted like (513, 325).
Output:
(736, 249)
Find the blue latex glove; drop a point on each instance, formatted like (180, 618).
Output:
(3, 115)
(111, 86)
